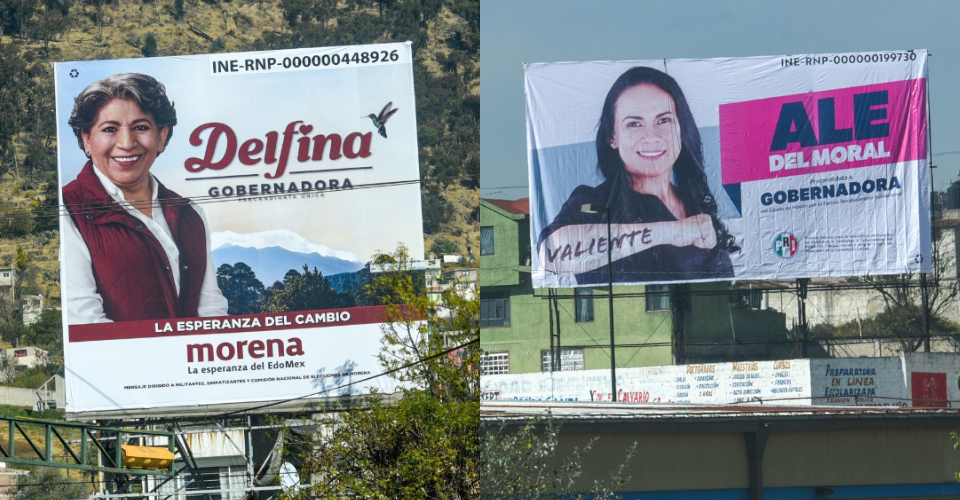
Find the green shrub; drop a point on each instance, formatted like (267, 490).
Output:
(149, 48)
(12, 411)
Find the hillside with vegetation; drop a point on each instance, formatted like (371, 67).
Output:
(34, 33)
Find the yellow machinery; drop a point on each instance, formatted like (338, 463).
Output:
(146, 457)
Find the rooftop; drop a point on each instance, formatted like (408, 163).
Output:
(611, 417)
(946, 223)
(519, 207)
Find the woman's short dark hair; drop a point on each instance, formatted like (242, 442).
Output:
(690, 178)
(142, 89)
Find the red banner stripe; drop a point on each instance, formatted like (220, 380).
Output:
(228, 324)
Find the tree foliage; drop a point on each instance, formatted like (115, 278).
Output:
(426, 445)
(436, 211)
(380, 292)
(448, 105)
(240, 286)
(417, 329)
(443, 246)
(52, 19)
(902, 296)
(11, 321)
(524, 464)
(47, 334)
(149, 48)
(50, 483)
(14, 80)
(306, 291)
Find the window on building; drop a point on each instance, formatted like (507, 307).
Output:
(180, 487)
(495, 363)
(494, 309)
(658, 297)
(570, 359)
(746, 299)
(584, 304)
(486, 241)
(6, 275)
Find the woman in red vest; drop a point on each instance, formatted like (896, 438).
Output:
(134, 249)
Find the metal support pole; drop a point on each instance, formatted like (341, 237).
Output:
(187, 455)
(249, 433)
(101, 479)
(925, 314)
(556, 311)
(679, 300)
(613, 353)
(802, 314)
(553, 347)
(118, 452)
(756, 442)
(923, 276)
(48, 443)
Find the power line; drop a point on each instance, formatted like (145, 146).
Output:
(818, 288)
(13, 213)
(211, 473)
(348, 384)
(274, 403)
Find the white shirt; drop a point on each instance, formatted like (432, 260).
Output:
(85, 305)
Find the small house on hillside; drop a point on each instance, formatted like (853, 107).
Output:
(8, 282)
(22, 358)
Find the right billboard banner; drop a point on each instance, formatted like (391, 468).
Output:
(689, 170)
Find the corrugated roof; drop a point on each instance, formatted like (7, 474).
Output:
(520, 207)
(946, 222)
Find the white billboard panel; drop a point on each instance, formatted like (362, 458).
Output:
(911, 380)
(717, 169)
(219, 214)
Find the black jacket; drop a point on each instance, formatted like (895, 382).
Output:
(658, 264)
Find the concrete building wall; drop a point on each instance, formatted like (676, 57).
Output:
(8, 282)
(911, 380)
(877, 348)
(840, 306)
(852, 462)
(212, 444)
(663, 461)
(849, 303)
(644, 337)
(713, 319)
(859, 456)
(529, 330)
(503, 266)
(833, 307)
(15, 396)
(24, 357)
(32, 307)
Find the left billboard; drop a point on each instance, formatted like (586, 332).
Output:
(218, 215)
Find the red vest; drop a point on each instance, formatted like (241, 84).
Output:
(131, 269)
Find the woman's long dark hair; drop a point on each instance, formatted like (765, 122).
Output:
(690, 179)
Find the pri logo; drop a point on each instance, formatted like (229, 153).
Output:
(786, 245)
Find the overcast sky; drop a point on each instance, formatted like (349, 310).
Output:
(517, 32)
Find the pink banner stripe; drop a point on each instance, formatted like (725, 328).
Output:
(748, 129)
(206, 326)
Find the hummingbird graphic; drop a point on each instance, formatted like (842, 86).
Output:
(380, 121)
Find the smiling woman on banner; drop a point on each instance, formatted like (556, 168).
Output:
(664, 217)
(135, 250)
